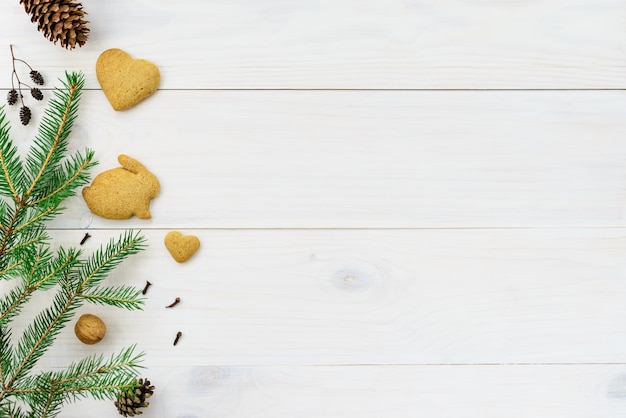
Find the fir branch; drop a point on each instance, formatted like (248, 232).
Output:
(38, 216)
(40, 334)
(41, 279)
(13, 411)
(92, 376)
(56, 268)
(66, 180)
(31, 193)
(12, 303)
(10, 163)
(102, 261)
(7, 355)
(127, 297)
(50, 407)
(34, 265)
(4, 213)
(98, 377)
(27, 244)
(50, 144)
(6, 273)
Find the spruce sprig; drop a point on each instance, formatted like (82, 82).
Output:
(31, 193)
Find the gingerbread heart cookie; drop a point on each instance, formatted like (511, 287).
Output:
(125, 80)
(180, 246)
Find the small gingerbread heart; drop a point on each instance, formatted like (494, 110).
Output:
(126, 81)
(180, 246)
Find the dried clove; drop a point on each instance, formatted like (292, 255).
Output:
(176, 302)
(178, 335)
(85, 238)
(145, 289)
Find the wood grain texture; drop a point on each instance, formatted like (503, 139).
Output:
(342, 44)
(306, 297)
(413, 228)
(241, 159)
(383, 391)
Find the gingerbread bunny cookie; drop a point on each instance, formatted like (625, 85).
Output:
(122, 192)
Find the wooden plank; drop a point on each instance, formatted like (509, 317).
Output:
(347, 43)
(347, 159)
(296, 297)
(391, 391)
(407, 253)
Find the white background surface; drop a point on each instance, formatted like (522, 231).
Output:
(406, 208)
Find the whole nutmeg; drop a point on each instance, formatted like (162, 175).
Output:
(90, 329)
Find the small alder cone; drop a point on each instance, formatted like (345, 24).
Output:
(90, 329)
(59, 20)
(25, 115)
(129, 404)
(36, 93)
(12, 97)
(36, 77)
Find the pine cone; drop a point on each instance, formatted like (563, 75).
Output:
(59, 20)
(128, 404)
(25, 115)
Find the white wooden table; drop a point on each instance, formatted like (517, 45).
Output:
(407, 208)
